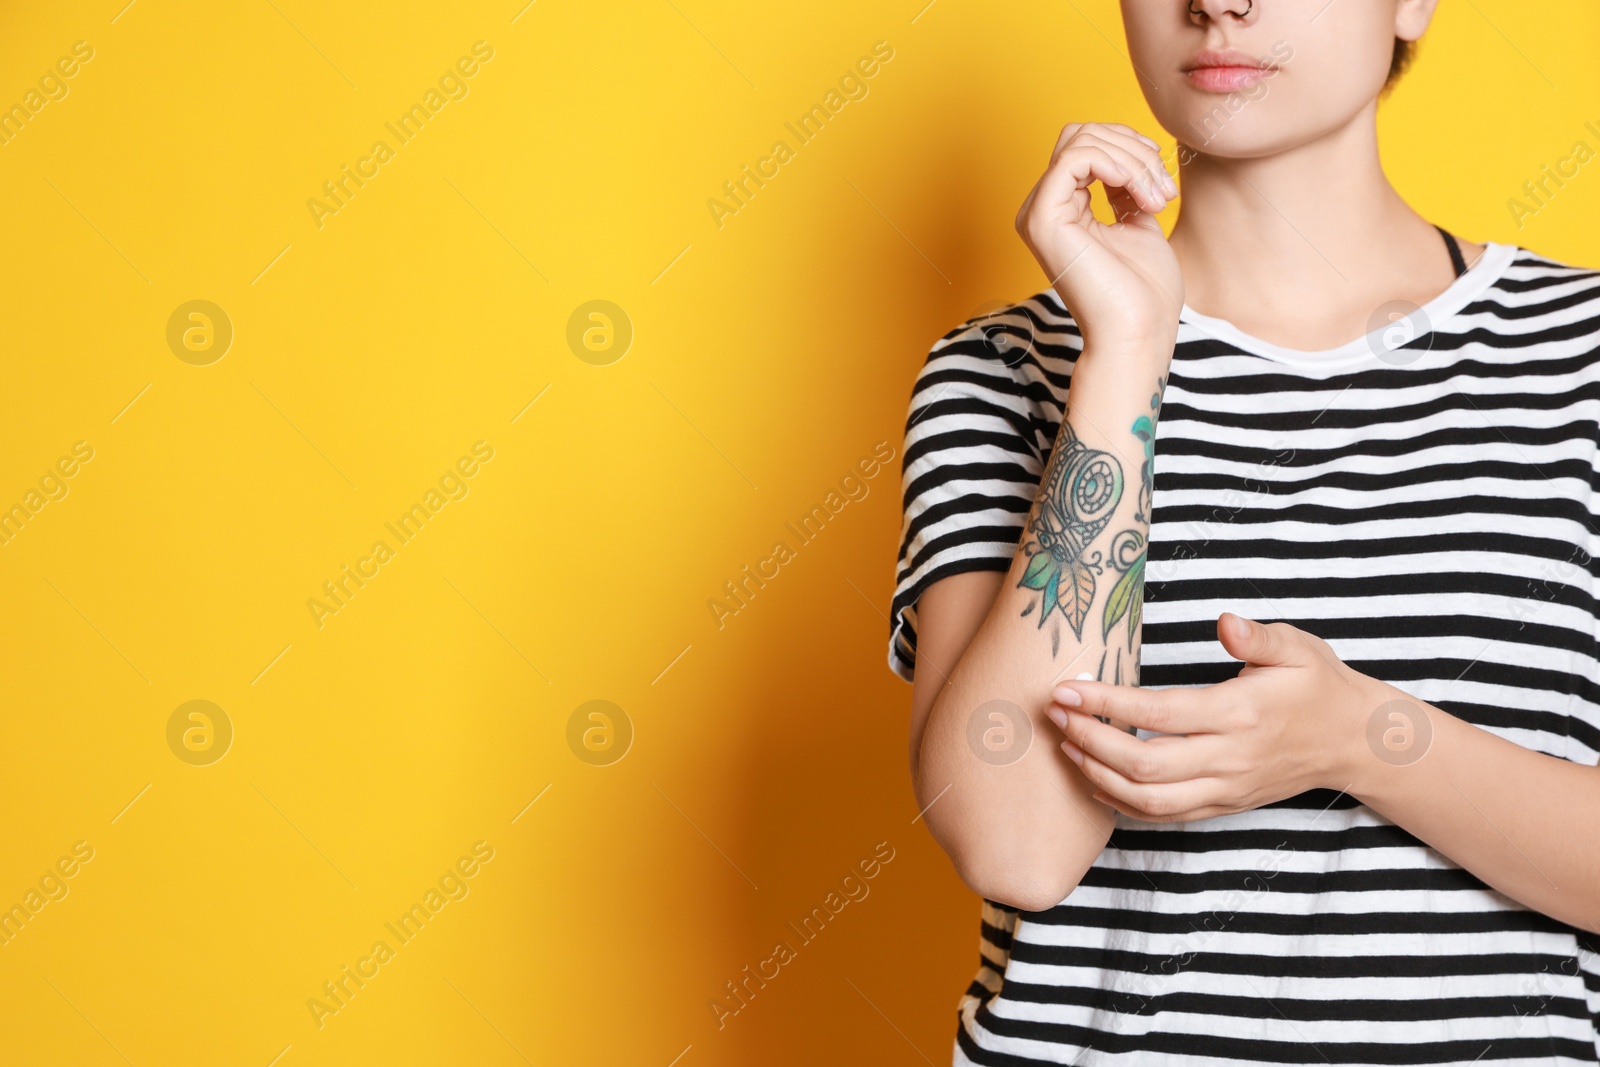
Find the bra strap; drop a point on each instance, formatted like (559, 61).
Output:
(1457, 260)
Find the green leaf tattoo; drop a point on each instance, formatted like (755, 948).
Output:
(1128, 549)
(1037, 575)
(1126, 599)
(1080, 492)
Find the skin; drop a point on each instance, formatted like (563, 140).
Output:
(1291, 231)
(1297, 718)
(1023, 831)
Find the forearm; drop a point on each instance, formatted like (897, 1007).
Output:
(1521, 821)
(1001, 797)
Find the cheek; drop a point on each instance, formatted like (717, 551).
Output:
(1158, 42)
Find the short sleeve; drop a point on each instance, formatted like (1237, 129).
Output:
(972, 461)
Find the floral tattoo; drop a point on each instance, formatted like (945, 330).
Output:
(1080, 492)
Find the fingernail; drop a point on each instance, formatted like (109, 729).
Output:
(1070, 697)
(1073, 752)
(1057, 716)
(1172, 186)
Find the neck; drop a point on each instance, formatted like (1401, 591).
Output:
(1317, 226)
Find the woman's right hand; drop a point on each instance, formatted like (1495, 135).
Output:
(1121, 282)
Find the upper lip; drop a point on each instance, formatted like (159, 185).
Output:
(1228, 58)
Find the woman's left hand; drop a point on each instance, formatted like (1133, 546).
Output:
(1294, 719)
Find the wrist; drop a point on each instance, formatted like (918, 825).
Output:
(1379, 728)
(1118, 380)
(1151, 351)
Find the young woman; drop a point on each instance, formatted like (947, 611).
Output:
(1367, 832)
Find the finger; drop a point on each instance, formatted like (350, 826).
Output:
(1139, 149)
(1151, 152)
(1200, 710)
(1155, 145)
(1129, 131)
(1148, 182)
(1142, 163)
(1073, 170)
(1164, 802)
(1273, 645)
(1127, 208)
(1068, 132)
(1210, 811)
(1032, 225)
(1156, 759)
(1146, 148)
(1033, 195)
(1072, 128)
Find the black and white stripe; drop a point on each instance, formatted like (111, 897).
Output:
(1434, 516)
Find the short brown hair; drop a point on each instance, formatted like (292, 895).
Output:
(1403, 52)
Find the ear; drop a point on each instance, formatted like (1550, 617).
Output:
(1411, 18)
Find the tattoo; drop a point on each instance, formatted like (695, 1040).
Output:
(1081, 489)
(1129, 547)
(1079, 494)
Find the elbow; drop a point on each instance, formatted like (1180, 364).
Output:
(1012, 842)
(1030, 881)
(1024, 891)
(1027, 864)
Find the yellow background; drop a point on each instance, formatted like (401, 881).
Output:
(769, 356)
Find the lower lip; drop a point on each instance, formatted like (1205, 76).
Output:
(1226, 79)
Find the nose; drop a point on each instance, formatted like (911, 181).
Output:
(1242, 10)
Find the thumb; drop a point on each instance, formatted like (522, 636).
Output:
(1273, 646)
(1129, 211)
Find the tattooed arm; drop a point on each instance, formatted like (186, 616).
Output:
(1008, 806)
(1013, 812)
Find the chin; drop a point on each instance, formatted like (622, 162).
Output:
(1239, 138)
(1235, 127)
(1241, 145)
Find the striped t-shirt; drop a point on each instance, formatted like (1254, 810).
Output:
(1426, 499)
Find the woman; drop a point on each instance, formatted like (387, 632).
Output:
(1376, 842)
